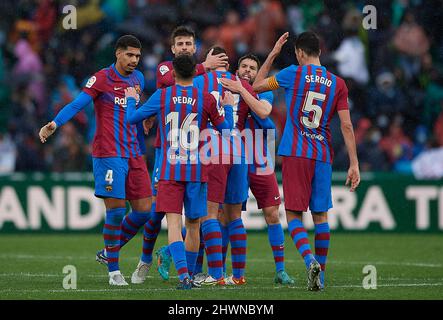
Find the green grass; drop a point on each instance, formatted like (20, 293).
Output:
(408, 267)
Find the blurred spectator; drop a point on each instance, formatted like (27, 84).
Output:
(429, 164)
(393, 73)
(7, 154)
(69, 150)
(350, 55)
(396, 145)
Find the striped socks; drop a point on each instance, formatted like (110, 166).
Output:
(277, 241)
(322, 236)
(111, 236)
(150, 233)
(300, 238)
(179, 257)
(237, 237)
(225, 244)
(131, 224)
(213, 246)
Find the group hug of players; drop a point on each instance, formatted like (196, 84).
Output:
(204, 165)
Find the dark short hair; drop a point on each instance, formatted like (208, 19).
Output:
(127, 41)
(184, 66)
(251, 57)
(308, 42)
(182, 31)
(217, 50)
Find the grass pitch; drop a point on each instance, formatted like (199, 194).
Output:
(408, 267)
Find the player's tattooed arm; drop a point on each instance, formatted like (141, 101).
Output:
(262, 83)
(214, 61)
(348, 134)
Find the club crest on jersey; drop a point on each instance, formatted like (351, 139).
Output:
(108, 188)
(163, 69)
(90, 82)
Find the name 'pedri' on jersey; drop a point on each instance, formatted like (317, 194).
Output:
(114, 136)
(313, 96)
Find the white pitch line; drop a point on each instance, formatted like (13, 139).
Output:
(332, 262)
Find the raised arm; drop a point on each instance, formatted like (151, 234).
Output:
(261, 82)
(65, 114)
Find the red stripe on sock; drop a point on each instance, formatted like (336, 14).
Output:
(322, 236)
(133, 233)
(238, 237)
(238, 265)
(236, 251)
(297, 231)
(111, 227)
(131, 223)
(112, 260)
(213, 249)
(147, 251)
(306, 252)
(182, 270)
(111, 237)
(279, 259)
(321, 251)
(215, 264)
(212, 235)
(301, 242)
(323, 267)
(278, 248)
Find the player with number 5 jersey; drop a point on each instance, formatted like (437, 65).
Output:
(313, 96)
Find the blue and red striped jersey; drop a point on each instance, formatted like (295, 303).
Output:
(114, 136)
(262, 162)
(313, 96)
(165, 78)
(209, 82)
(182, 113)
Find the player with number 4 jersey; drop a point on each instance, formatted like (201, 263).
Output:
(313, 96)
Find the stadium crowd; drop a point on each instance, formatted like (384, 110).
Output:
(394, 73)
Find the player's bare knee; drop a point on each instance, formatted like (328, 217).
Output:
(271, 215)
(319, 217)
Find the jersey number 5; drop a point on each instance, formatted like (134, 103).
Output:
(309, 106)
(187, 135)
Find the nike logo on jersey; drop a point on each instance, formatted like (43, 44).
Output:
(276, 198)
(117, 88)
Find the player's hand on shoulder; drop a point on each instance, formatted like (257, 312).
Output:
(232, 85)
(353, 177)
(130, 92)
(47, 130)
(227, 99)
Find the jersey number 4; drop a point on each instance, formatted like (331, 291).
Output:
(309, 106)
(187, 135)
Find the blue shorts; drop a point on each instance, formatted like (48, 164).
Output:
(121, 178)
(156, 171)
(173, 195)
(228, 183)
